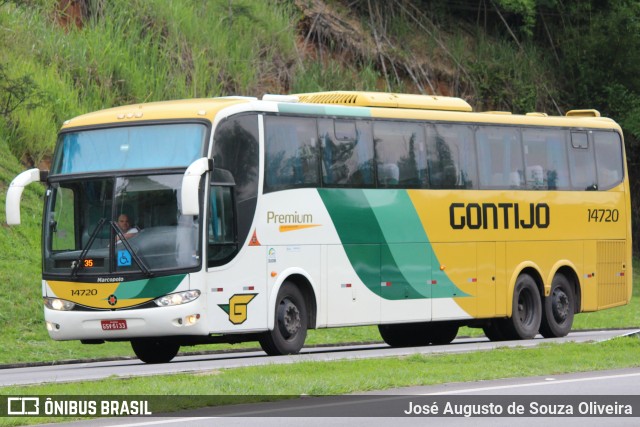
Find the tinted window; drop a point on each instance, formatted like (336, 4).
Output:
(291, 155)
(346, 160)
(452, 156)
(608, 159)
(401, 154)
(131, 147)
(581, 163)
(500, 157)
(545, 158)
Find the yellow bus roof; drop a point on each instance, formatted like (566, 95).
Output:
(202, 108)
(337, 103)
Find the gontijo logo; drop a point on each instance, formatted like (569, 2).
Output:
(498, 216)
(237, 307)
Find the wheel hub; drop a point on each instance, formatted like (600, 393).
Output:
(560, 306)
(289, 317)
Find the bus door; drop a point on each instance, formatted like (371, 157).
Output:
(236, 287)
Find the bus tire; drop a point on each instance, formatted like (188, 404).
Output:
(155, 350)
(290, 327)
(442, 333)
(406, 334)
(559, 309)
(418, 334)
(526, 313)
(494, 330)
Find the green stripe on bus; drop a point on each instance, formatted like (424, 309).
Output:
(385, 242)
(148, 288)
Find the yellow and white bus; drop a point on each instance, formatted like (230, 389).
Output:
(257, 219)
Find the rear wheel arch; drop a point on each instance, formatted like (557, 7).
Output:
(528, 269)
(570, 274)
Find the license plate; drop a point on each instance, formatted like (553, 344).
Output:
(113, 325)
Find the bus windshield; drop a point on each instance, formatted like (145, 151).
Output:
(128, 224)
(131, 147)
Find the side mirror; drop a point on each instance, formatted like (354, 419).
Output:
(14, 193)
(189, 203)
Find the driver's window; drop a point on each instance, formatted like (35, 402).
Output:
(221, 226)
(63, 220)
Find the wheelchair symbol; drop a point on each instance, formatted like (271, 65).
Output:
(124, 259)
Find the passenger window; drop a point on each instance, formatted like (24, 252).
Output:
(609, 160)
(346, 162)
(291, 153)
(500, 157)
(452, 156)
(401, 154)
(545, 158)
(582, 164)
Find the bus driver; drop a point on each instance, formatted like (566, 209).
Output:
(125, 225)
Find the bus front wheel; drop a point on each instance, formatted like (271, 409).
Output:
(155, 350)
(559, 308)
(290, 328)
(526, 310)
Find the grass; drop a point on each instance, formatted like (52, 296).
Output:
(333, 378)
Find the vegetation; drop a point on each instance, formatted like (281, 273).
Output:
(61, 58)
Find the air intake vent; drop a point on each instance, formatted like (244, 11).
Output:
(610, 273)
(329, 98)
(386, 100)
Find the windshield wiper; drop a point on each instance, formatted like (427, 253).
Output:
(77, 264)
(127, 245)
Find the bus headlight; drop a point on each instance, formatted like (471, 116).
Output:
(177, 298)
(58, 304)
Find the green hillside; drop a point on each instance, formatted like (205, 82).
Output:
(61, 58)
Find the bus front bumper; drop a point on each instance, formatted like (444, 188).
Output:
(186, 319)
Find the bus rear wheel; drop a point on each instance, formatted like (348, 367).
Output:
(155, 350)
(442, 333)
(404, 335)
(559, 308)
(290, 328)
(418, 334)
(526, 311)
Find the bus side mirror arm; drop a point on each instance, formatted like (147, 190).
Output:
(189, 203)
(14, 193)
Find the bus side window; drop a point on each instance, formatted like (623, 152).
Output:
(291, 153)
(545, 159)
(222, 236)
(451, 156)
(400, 154)
(608, 147)
(347, 158)
(500, 157)
(582, 164)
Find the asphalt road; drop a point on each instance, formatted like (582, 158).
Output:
(209, 362)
